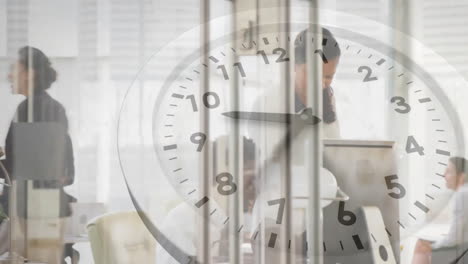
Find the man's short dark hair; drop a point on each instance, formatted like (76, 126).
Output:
(330, 47)
(460, 164)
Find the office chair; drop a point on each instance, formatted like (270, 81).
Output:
(121, 238)
(451, 255)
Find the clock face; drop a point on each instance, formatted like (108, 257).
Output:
(417, 117)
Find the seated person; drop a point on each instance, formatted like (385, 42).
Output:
(180, 224)
(455, 177)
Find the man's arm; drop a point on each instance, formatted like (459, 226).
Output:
(456, 224)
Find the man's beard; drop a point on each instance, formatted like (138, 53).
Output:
(329, 111)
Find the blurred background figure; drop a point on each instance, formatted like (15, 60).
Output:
(455, 179)
(31, 75)
(180, 222)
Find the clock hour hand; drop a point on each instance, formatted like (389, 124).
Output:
(305, 117)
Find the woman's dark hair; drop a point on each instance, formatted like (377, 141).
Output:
(34, 59)
(330, 47)
(460, 164)
(330, 50)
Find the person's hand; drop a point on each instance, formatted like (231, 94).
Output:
(424, 246)
(422, 252)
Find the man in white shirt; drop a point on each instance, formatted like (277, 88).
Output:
(455, 177)
(270, 136)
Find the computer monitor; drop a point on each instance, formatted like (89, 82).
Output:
(38, 155)
(359, 167)
(38, 151)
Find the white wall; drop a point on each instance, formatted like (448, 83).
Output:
(53, 27)
(3, 28)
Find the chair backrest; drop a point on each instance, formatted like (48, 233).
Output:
(82, 214)
(121, 238)
(462, 257)
(452, 255)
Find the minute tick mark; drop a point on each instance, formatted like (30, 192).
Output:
(213, 59)
(443, 152)
(425, 100)
(380, 62)
(202, 201)
(388, 232)
(358, 242)
(401, 224)
(421, 206)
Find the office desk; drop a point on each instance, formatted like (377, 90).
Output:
(6, 259)
(69, 239)
(433, 232)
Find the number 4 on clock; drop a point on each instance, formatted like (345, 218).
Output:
(413, 146)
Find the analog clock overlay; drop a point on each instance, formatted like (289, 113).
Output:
(413, 118)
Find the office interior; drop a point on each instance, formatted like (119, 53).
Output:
(113, 60)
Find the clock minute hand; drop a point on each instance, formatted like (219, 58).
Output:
(304, 117)
(259, 116)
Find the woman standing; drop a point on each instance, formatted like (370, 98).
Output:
(33, 71)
